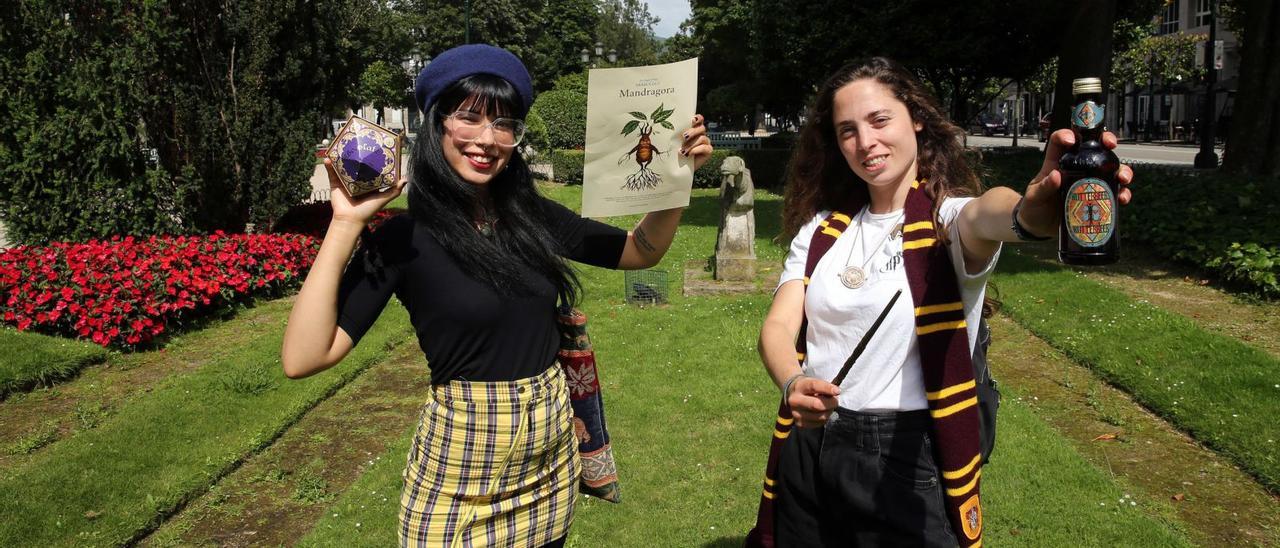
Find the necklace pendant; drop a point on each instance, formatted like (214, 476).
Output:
(853, 277)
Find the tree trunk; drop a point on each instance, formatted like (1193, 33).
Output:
(959, 100)
(1085, 53)
(1254, 144)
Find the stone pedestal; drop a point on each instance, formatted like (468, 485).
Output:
(735, 268)
(699, 281)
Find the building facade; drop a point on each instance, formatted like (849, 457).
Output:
(1172, 110)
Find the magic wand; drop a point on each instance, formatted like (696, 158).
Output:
(866, 338)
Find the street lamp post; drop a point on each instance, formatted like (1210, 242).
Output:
(1207, 158)
(589, 61)
(1017, 97)
(417, 62)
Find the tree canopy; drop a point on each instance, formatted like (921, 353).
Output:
(627, 27)
(166, 116)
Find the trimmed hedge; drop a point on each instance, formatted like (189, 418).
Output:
(768, 167)
(565, 115)
(535, 136)
(1217, 222)
(781, 139)
(708, 176)
(567, 166)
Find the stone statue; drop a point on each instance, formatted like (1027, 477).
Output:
(735, 244)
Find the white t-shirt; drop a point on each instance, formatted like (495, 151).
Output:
(887, 377)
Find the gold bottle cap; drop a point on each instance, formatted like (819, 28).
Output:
(1086, 85)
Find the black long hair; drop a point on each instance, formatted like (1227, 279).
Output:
(446, 205)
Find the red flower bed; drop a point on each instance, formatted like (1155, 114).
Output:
(125, 291)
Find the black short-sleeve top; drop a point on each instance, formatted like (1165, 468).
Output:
(466, 329)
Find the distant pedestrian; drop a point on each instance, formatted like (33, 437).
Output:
(479, 262)
(881, 198)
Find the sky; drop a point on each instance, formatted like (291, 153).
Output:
(672, 13)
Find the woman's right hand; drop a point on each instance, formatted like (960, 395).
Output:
(360, 209)
(812, 401)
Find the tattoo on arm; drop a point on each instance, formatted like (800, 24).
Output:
(642, 241)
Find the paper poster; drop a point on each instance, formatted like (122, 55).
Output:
(635, 117)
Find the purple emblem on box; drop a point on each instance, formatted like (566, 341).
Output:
(365, 156)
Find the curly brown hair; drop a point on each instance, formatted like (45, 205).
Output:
(819, 177)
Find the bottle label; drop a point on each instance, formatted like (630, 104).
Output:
(1089, 211)
(1087, 115)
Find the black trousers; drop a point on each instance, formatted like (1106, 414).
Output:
(864, 479)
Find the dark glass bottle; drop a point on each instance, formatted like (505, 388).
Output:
(1089, 233)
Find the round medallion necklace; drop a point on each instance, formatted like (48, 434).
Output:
(855, 276)
(486, 225)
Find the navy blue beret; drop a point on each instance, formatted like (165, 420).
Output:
(464, 61)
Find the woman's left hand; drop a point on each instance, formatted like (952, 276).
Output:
(696, 145)
(1041, 209)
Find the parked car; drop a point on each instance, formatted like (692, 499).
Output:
(991, 124)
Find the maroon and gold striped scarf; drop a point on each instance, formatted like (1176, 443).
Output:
(944, 357)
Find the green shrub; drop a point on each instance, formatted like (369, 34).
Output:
(573, 81)
(1211, 220)
(781, 139)
(565, 115)
(768, 168)
(535, 135)
(567, 166)
(1218, 222)
(708, 176)
(1250, 265)
(145, 140)
(72, 159)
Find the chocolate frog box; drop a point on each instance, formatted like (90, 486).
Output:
(366, 156)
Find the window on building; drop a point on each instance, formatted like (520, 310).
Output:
(1169, 17)
(1203, 12)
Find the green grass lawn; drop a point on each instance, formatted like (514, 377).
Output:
(690, 411)
(1223, 392)
(31, 359)
(112, 484)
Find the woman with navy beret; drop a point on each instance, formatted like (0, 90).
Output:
(480, 263)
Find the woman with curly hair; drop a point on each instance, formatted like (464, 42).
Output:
(882, 193)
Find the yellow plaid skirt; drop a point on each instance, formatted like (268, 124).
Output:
(492, 464)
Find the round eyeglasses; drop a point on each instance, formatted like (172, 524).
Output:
(468, 126)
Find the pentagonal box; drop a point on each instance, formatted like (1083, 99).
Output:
(365, 156)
